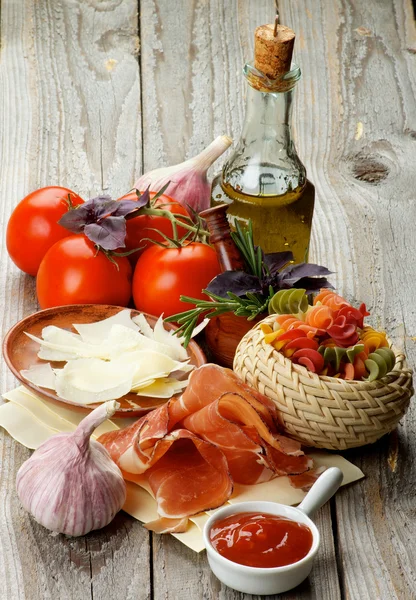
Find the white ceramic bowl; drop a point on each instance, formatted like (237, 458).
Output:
(261, 581)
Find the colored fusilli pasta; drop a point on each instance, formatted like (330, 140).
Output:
(328, 337)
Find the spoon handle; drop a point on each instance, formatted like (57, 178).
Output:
(322, 490)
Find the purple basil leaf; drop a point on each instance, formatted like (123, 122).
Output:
(271, 280)
(74, 220)
(312, 284)
(100, 207)
(124, 207)
(292, 274)
(237, 282)
(276, 260)
(110, 233)
(143, 199)
(89, 212)
(306, 270)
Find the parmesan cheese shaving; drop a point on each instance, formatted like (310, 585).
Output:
(149, 365)
(90, 380)
(41, 375)
(97, 333)
(167, 337)
(108, 359)
(163, 388)
(139, 341)
(143, 384)
(141, 322)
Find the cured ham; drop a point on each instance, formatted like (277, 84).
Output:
(190, 450)
(209, 382)
(183, 480)
(306, 480)
(186, 474)
(250, 446)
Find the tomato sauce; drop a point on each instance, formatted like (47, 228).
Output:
(261, 540)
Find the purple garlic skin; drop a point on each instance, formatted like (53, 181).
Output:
(70, 484)
(188, 183)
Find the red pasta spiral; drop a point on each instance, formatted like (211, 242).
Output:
(309, 358)
(354, 316)
(299, 347)
(360, 370)
(343, 333)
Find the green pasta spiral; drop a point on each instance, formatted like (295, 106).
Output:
(287, 302)
(379, 363)
(334, 356)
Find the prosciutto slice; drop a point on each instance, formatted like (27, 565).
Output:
(251, 448)
(208, 383)
(186, 474)
(190, 450)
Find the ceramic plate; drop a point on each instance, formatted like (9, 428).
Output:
(20, 352)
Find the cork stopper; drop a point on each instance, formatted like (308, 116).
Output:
(273, 49)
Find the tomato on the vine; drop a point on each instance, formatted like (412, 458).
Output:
(163, 274)
(33, 226)
(74, 272)
(142, 227)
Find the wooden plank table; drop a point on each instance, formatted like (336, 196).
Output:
(93, 92)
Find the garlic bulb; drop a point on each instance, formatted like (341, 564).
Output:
(70, 484)
(188, 180)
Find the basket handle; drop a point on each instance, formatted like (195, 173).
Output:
(322, 490)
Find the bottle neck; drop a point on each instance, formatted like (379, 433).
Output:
(265, 161)
(268, 115)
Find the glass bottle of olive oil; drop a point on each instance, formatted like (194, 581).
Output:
(264, 179)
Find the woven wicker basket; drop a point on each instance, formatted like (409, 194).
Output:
(324, 412)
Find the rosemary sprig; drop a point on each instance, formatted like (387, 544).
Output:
(244, 241)
(248, 306)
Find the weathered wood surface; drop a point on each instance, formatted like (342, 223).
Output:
(70, 90)
(79, 109)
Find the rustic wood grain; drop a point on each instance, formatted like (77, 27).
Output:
(356, 121)
(70, 99)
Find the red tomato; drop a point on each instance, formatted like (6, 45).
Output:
(141, 227)
(72, 272)
(162, 275)
(33, 226)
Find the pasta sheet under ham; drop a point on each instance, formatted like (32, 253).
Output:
(191, 450)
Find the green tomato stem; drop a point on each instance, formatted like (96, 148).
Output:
(158, 212)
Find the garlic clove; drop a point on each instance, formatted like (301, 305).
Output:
(70, 484)
(188, 182)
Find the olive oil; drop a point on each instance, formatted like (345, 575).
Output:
(280, 222)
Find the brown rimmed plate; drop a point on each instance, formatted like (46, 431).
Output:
(20, 352)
